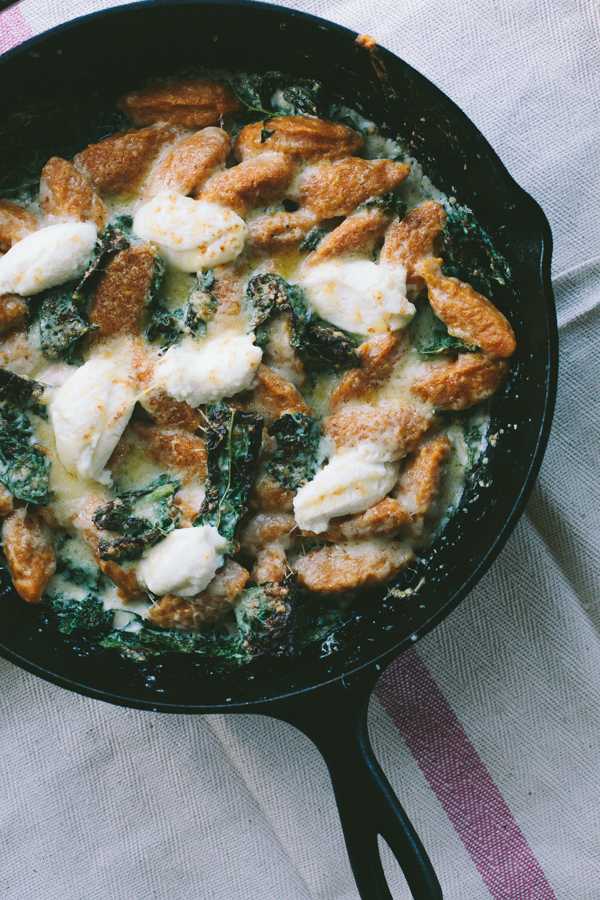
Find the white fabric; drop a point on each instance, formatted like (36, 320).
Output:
(104, 802)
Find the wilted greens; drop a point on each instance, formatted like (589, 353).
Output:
(295, 460)
(24, 465)
(469, 253)
(266, 617)
(167, 328)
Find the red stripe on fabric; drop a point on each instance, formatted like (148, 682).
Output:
(460, 781)
(14, 29)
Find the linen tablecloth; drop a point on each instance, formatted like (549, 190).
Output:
(489, 729)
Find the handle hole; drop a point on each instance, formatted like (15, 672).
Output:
(397, 883)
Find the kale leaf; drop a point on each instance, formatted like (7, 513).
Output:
(276, 94)
(81, 615)
(269, 294)
(266, 617)
(168, 328)
(386, 201)
(141, 518)
(24, 465)
(233, 442)
(138, 640)
(313, 238)
(294, 462)
(469, 253)
(446, 343)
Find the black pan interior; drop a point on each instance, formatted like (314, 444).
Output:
(76, 73)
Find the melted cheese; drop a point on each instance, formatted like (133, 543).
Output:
(359, 296)
(190, 234)
(89, 414)
(351, 482)
(47, 257)
(184, 563)
(203, 373)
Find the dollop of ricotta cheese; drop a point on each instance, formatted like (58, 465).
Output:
(47, 257)
(190, 234)
(352, 481)
(89, 414)
(204, 373)
(359, 296)
(184, 563)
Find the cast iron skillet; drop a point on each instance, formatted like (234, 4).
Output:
(77, 71)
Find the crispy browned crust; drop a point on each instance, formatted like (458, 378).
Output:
(333, 570)
(304, 136)
(385, 518)
(190, 613)
(6, 501)
(13, 310)
(120, 162)
(415, 238)
(255, 182)
(15, 224)
(273, 396)
(29, 551)
(280, 230)
(268, 496)
(397, 425)
(180, 452)
(123, 290)
(358, 233)
(190, 163)
(265, 529)
(378, 358)
(67, 194)
(421, 481)
(461, 383)
(468, 315)
(192, 102)
(336, 189)
(270, 565)
(229, 291)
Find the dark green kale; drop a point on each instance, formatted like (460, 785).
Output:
(294, 462)
(143, 642)
(446, 343)
(61, 312)
(270, 294)
(233, 442)
(77, 615)
(265, 134)
(276, 94)
(313, 238)
(266, 617)
(168, 328)
(140, 518)
(316, 621)
(386, 201)
(24, 465)
(469, 253)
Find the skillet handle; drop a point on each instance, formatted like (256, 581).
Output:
(367, 805)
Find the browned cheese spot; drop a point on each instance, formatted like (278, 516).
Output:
(333, 570)
(123, 290)
(461, 383)
(468, 315)
(29, 551)
(415, 238)
(336, 189)
(121, 162)
(378, 358)
(190, 163)
(358, 234)
(191, 613)
(180, 452)
(304, 136)
(66, 194)
(13, 310)
(397, 426)
(191, 102)
(255, 182)
(15, 224)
